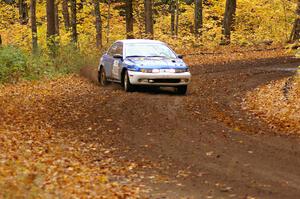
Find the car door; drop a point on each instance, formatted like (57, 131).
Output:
(117, 62)
(108, 60)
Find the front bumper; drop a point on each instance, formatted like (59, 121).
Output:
(159, 79)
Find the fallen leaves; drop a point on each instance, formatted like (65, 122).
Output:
(279, 107)
(224, 55)
(49, 147)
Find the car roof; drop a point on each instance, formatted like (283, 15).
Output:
(140, 41)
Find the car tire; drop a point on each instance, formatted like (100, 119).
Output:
(102, 77)
(128, 87)
(181, 90)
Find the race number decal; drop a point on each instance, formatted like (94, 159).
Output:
(115, 69)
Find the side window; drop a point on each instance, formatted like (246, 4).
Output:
(112, 50)
(119, 49)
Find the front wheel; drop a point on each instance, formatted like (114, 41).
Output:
(128, 87)
(102, 77)
(182, 90)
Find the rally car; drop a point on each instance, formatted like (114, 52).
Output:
(135, 62)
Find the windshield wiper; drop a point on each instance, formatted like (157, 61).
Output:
(156, 56)
(135, 56)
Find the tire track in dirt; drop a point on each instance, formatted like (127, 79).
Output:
(204, 140)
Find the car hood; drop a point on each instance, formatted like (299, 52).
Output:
(155, 62)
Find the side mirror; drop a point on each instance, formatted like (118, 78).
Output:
(180, 56)
(118, 56)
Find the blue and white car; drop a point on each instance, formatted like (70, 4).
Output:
(135, 62)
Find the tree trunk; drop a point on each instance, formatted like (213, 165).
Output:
(50, 18)
(33, 26)
(228, 21)
(129, 20)
(177, 18)
(66, 15)
(23, 12)
(56, 19)
(98, 24)
(198, 17)
(172, 11)
(74, 21)
(295, 34)
(108, 22)
(0, 41)
(148, 18)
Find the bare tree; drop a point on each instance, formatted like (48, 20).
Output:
(148, 17)
(33, 26)
(74, 21)
(198, 17)
(228, 21)
(66, 15)
(129, 19)
(98, 24)
(295, 34)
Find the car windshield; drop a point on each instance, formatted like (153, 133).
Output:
(148, 50)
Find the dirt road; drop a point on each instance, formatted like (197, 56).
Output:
(204, 145)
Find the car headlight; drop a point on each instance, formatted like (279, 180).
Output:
(146, 70)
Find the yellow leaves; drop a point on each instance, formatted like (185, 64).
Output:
(255, 22)
(103, 179)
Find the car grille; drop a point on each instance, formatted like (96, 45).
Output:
(166, 80)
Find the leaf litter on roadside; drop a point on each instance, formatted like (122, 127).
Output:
(278, 106)
(49, 146)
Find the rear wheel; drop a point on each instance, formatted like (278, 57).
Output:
(128, 87)
(182, 90)
(102, 77)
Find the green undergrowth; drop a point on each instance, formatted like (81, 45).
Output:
(17, 64)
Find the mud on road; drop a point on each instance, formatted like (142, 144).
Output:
(204, 145)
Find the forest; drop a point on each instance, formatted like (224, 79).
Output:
(235, 134)
(53, 28)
